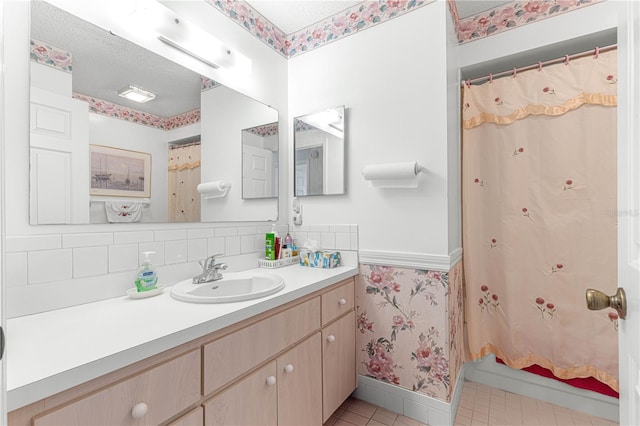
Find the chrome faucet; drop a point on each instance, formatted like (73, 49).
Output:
(210, 270)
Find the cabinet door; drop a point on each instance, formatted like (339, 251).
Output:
(192, 418)
(251, 401)
(338, 363)
(299, 384)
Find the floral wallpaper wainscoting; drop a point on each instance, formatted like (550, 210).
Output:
(409, 328)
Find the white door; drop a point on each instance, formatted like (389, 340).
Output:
(257, 172)
(628, 212)
(59, 172)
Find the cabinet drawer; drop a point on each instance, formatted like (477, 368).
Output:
(250, 402)
(337, 301)
(232, 355)
(153, 389)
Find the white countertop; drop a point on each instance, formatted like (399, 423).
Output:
(53, 351)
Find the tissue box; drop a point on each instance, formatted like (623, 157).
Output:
(320, 259)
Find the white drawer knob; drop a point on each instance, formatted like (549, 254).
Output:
(271, 380)
(342, 302)
(288, 368)
(331, 338)
(139, 410)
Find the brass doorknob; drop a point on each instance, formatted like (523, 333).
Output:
(597, 300)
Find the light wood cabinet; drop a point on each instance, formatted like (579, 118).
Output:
(291, 366)
(338, 363)
(193, 418)
(148, 398)
(300, 384)
(229, 357)
(338, 302)
(251, 401)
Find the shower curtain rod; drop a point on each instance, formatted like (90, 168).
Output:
(539, 65)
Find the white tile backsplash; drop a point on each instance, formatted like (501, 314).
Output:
(216, 246)
(133, 237)
(87, 240)
(175, 252)
(226, 232)
(49, 265)
(328, 240)
(30, 243)
(157, 247)
(249, 230)
(200, 233)
(171, 235)
(343, 241)
(197, 249)
(16, 269)
(123, 257)
(61, 263)
(231, 246)
(90, 261)
(247, 244)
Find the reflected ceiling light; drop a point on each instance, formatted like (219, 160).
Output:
(136, 94)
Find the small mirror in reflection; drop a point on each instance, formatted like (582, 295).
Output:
(319, 153)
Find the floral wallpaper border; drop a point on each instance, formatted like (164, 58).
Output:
(509, 16)
(109, 109)
(357, 18)
(52, 56)
(264, 130)
(370, 13)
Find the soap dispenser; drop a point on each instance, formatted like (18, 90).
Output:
(146, 277)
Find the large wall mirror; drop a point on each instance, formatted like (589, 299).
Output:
(99, 157)
(319, 153)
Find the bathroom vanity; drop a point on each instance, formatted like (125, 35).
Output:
(286, 359)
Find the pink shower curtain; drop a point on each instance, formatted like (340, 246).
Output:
(183, 179)
(539, 217)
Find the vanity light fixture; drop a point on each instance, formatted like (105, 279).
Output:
(136, 94)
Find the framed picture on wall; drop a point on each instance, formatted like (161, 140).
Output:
(116, 172)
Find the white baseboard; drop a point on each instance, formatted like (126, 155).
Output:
(418, 406)
(488, 372)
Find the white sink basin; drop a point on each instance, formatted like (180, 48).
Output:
(233, 287)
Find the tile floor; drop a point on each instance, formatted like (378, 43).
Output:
(479, 405)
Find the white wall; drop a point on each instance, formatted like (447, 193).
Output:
(91, 262)
(392, 80)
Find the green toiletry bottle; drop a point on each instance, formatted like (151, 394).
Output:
(146, 277)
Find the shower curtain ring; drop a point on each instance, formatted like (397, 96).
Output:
(597, 52)
(539, 66)
(490, 78)
(515, 72)
(566, 59)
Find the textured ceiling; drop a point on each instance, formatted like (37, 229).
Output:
(104, 63)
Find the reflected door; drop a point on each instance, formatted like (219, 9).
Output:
(59, 174)
(257, 174)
